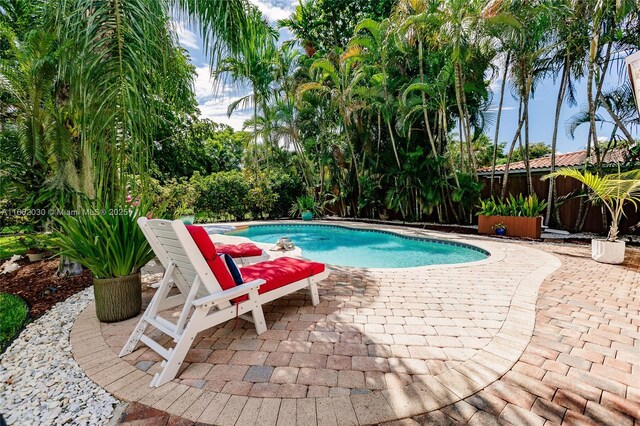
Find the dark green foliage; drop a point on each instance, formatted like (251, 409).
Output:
(261, 197)
(288, 187)
(223, 194)
(199, 146)
(174, 194)
(13, 315)
(467, 193)
(322, 25)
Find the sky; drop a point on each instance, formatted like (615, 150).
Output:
(213, 103)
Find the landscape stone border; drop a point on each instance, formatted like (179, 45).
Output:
(128, 383)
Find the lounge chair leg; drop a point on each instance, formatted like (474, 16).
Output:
(256, 312)
(313, 289)
(177, 354)
(258, 320)
(130, 346)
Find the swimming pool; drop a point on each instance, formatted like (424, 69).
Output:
(342, 246)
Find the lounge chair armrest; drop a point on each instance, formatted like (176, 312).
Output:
(229, 294)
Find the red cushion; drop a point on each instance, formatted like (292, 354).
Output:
(239, 250)
(280, 272)
(206, 247)
(203, 241)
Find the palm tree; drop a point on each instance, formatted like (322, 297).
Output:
(373, 39)
(337, 85)
(529, 65)
(116, 55)
(415, 20)
(572, 44)
(44, 165)
(285, 118)
(254, 63)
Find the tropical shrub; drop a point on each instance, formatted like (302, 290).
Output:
(261, 197)
(222, 194)
(613, 191)
(514, 206)
(491, 207)
(174, 195)
(105, 237)
(303, 204)
(288, 187)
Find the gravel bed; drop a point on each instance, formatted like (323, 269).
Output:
(41, 383)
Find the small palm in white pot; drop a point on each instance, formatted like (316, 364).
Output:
(614, 191)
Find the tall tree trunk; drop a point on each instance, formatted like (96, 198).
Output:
(424, 103)
(255, 131)
(451, 163)
(617, 120)
(599, 80)
(355, 164)
(379, 137)
(461, 146)
(505, 178)
(582, 212)
(525, 154)
(497, 133)
(304, 162)
(464, 118)
(591, 101)
(393, 144)
(554, 139)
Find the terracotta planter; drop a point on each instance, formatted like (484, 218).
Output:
(118, 299)
(517, 226)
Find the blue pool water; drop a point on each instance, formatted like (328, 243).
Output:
(337, 245)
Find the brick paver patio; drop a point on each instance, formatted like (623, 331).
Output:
(582, 365)
(440, 345)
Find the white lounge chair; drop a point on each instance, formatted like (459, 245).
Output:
(200, 281)
(236, 254)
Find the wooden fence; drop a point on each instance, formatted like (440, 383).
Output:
(569, 211)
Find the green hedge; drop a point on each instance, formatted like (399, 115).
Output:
(224, 193)
(229, 195)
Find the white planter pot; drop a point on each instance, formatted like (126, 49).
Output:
(35, 257)
(604, 251)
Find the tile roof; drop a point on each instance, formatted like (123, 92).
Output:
(570, 159)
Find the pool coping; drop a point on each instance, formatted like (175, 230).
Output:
(491, 362)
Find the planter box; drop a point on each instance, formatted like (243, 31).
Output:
(517, 226)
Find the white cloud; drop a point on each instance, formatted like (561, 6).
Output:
(273, 12)
(216, 109)
(186, 37)
(494, 108)
(204, 83)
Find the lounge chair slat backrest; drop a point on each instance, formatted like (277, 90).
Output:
(172, 242)
(157, 248)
